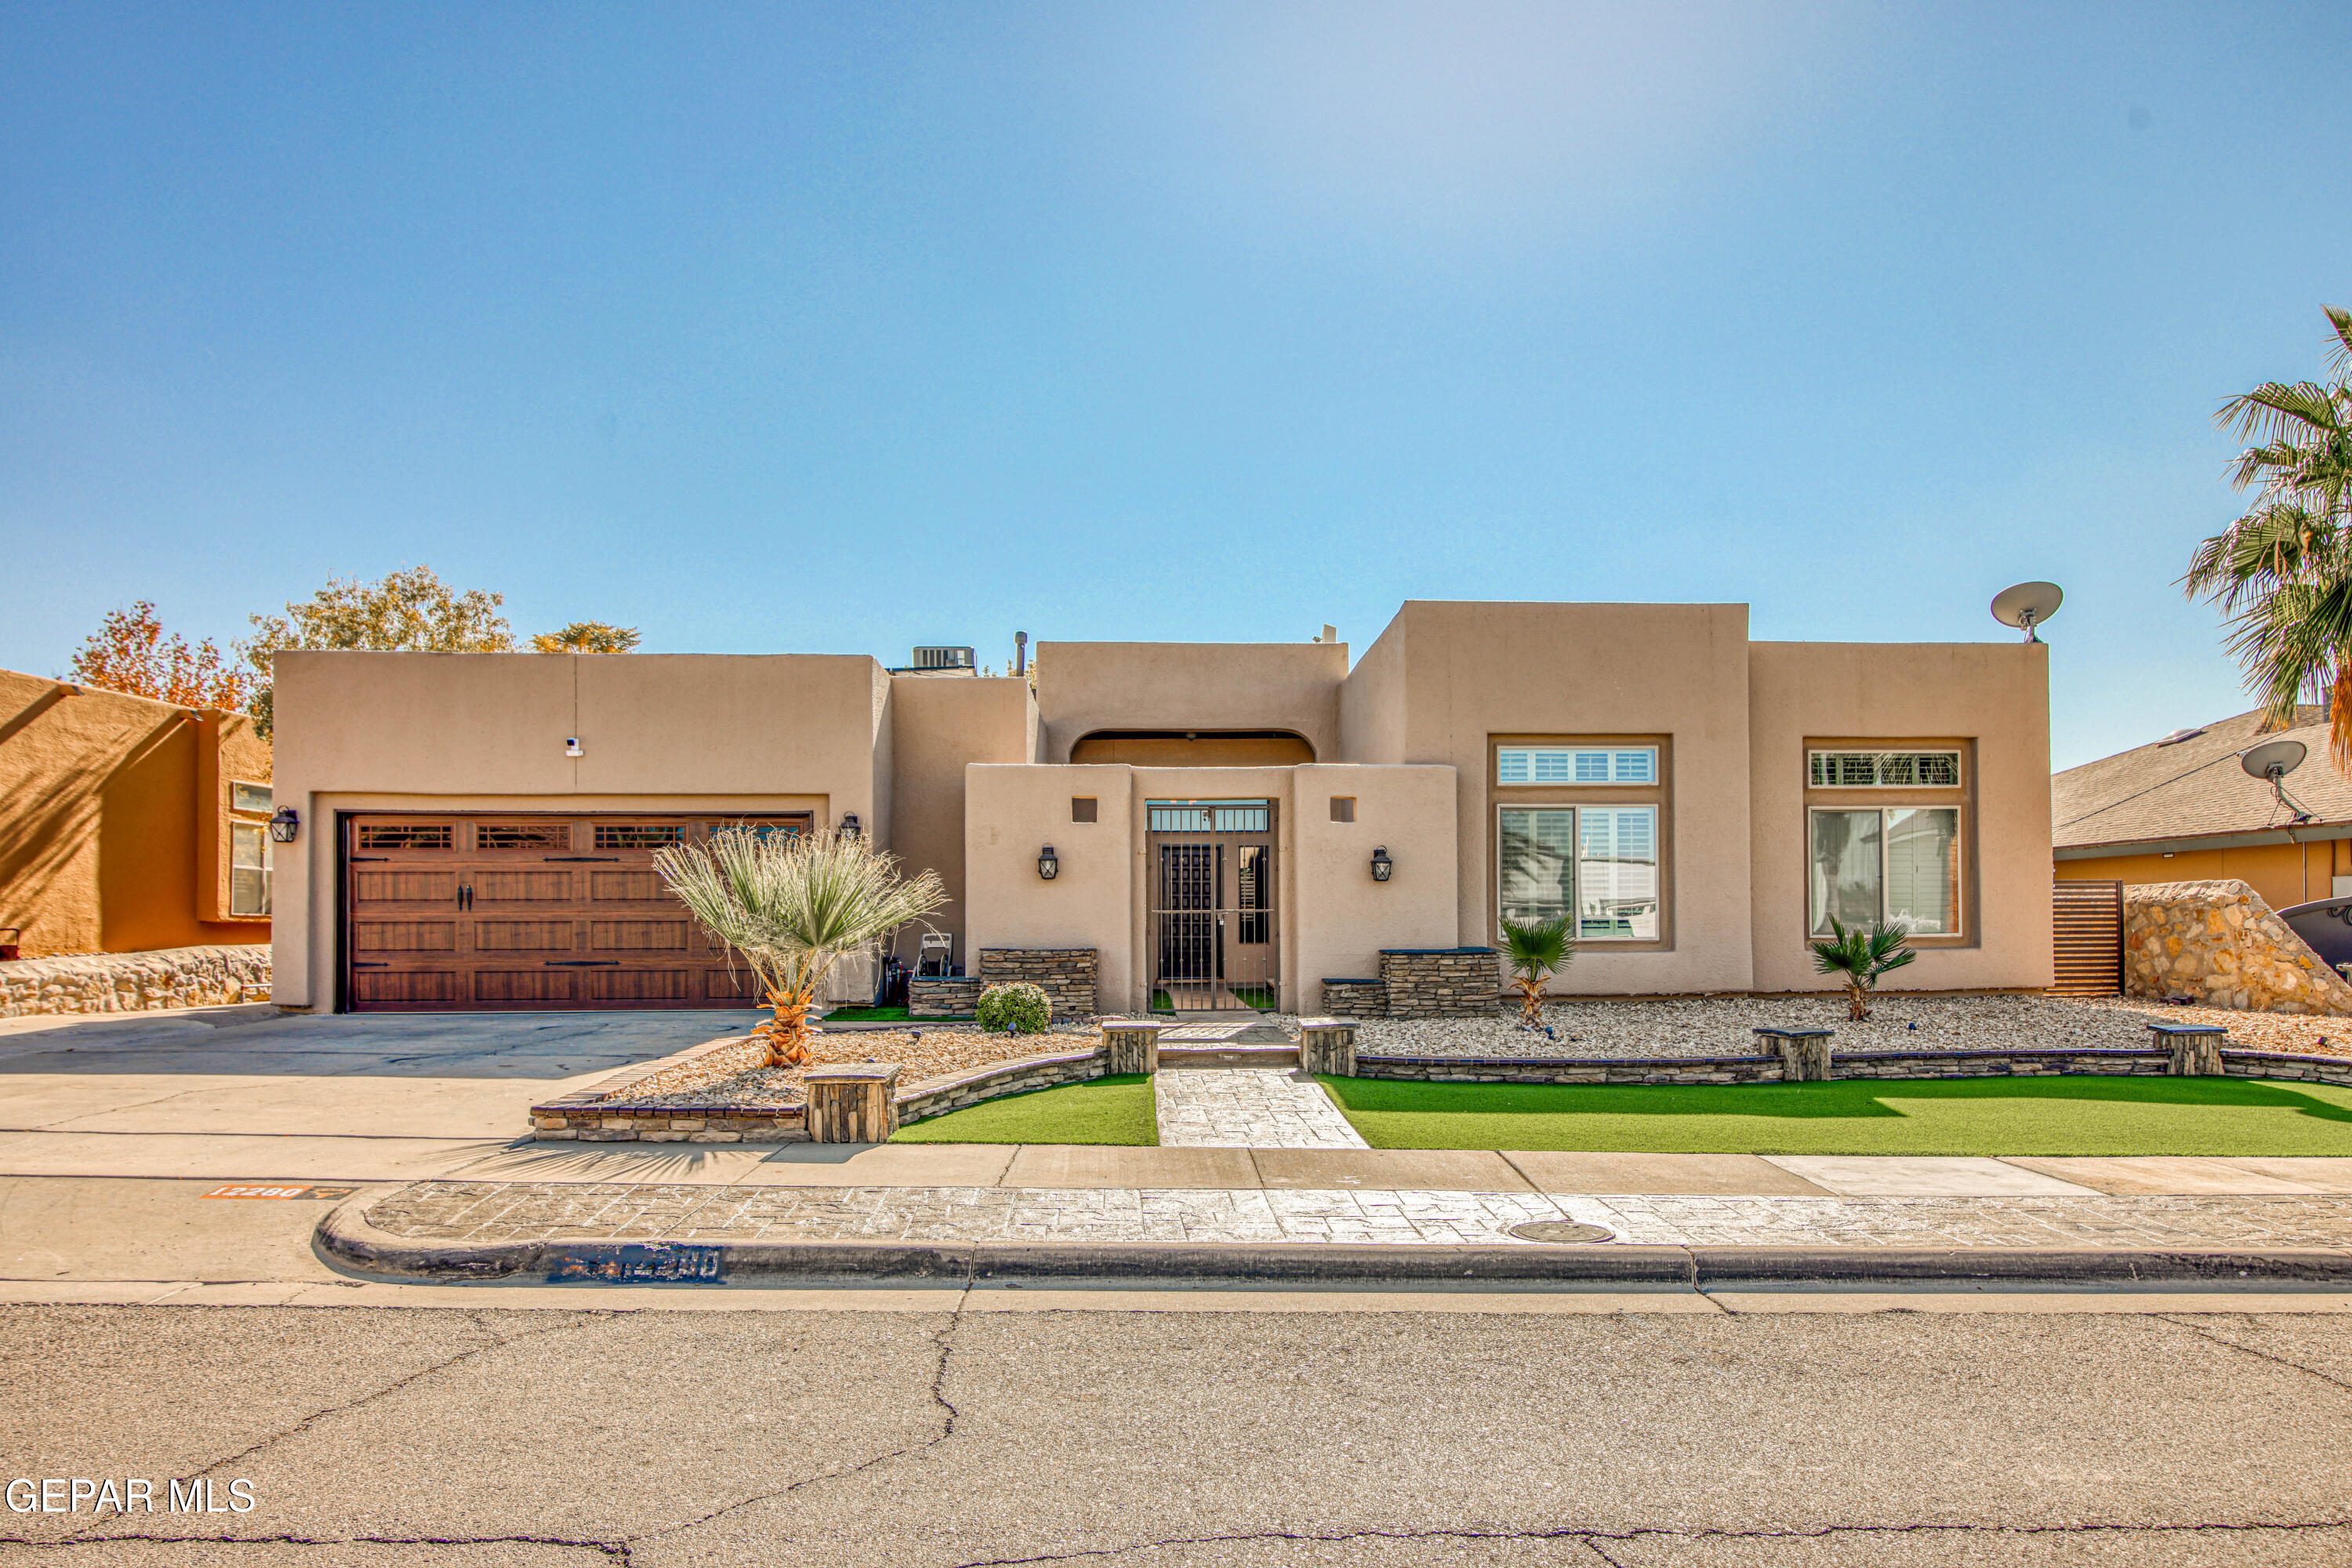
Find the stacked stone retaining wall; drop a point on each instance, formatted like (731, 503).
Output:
(135, 982)
(2218, 944)
(2127, 1062)
(952, 997)
(1065, 974)
(1440, 983)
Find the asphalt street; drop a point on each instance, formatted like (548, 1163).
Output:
(395, 1436)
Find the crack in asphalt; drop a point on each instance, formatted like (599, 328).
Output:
(495, 1342)
(943, 1342)
(1591, 1537)
(2205, 1333)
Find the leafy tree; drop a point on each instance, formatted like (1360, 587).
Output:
(1536, 949)
(130, 652)
(2282, 572)
(588, 637)
(794, 905)
(1859, 957)
(412, 611)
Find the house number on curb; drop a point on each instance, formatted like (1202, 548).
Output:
(1561, 1230)
(252, 1190)
(643, 1265)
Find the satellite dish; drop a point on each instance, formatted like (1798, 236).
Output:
(2273, 760)
(2028, 604)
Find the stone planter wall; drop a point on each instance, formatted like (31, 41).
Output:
(2218, 944)
(1440, 983)
(1065, 974)
(2128, 1062)
(939, 1094)
(135, 982)
(942, 998)
(1355, 998)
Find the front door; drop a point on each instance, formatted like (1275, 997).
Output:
(1212, 915)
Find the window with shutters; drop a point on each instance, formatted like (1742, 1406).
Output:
(1581, 831)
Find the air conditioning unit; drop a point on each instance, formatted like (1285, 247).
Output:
(943, 658)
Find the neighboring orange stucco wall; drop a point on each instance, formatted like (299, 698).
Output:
(114, 834)
(2283, 874)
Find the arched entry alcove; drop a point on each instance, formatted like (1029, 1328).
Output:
(1194, 748)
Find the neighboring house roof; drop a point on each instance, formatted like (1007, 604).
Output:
(2194, 788)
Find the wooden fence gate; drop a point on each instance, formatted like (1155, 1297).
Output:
(2087, 952)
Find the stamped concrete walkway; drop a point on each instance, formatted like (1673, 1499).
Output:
(1247, 1108)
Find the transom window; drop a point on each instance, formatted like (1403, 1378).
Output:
(1901, 863)
(1213, 816)
(1576, 764)
(1884, 770)
(1597, 863)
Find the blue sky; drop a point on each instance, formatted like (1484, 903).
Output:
(847, 328)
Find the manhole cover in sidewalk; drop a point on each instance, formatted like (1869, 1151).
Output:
(1561, 1230)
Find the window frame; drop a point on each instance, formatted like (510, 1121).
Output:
(1960, 798)
(1612, 750)
(268, 897)
(1576, 811)
(1957, 755)
(1658, 795)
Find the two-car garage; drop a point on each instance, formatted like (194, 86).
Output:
(447, 911)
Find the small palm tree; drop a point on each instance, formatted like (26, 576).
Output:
(1536, 950)
(1859, 957)
(2282, 572)
(794, 905)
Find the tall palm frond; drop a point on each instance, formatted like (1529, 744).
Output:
(2283, 572)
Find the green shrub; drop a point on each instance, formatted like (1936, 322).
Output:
(1020, 1006)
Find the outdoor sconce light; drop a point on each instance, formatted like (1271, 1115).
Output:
(284, 824)
(849, 827)
(1049, 866)
(1381, 864)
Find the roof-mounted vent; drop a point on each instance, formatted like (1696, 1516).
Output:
(2180, 735)
(943, 658)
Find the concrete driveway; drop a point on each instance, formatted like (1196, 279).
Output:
(114, 1093)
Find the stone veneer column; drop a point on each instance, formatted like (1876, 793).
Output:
(1130, 1046)
(2195, 1047)
(1804, 1054)
(852, 1102)
(1328, 1045)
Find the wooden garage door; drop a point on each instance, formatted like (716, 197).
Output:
(448, 913)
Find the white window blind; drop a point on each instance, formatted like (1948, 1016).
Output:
(1576, 764)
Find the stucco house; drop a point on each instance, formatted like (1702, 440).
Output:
(128, 825)
(1186, 824)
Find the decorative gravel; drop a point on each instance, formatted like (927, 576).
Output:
(1721, 1026)
(919, 1053)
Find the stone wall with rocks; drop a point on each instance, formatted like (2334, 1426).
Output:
(1065, 974)
(135, 982)
(1440, 983)
(952, 996)
(1355, 998)
(2218, 944)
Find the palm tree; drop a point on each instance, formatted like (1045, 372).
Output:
(1860, 957)
(794, 905)
(1536, 950)
(2282, 572)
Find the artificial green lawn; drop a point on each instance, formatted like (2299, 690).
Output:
(1114, 1109)
(1945, 1116)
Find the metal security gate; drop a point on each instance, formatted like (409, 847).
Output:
(1214, 942)
(515, 911)
(2086, 949)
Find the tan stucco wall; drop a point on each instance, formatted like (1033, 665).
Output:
(114, 823)
(1013, 812)
(1473, 671)
(2283, 874)
(1992, 696)
(940, 725)
(1341, 917)
(423, 731)
(1371, 702)
(1089, 686)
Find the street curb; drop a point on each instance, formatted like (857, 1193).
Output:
(346, 1240)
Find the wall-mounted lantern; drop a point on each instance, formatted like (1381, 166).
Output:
(1049, 865)
(1381, 864)
(284, 824)
(849, 827)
